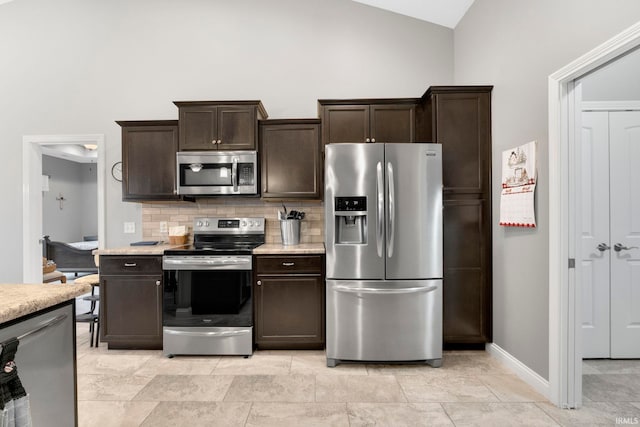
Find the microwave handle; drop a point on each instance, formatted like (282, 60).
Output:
(234, 174)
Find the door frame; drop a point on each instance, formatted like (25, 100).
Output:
(565, 346)
(32, 196)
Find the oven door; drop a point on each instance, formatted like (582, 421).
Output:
(207, 306)
(217, 173)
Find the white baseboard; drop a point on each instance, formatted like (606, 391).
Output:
(525, 373)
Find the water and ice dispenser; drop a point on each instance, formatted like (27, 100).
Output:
(350, 220)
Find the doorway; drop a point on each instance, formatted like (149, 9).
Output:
(32, 195)
(565, 323)
(610, 238)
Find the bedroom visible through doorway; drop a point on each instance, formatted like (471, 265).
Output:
(34, 186)
(70, 207)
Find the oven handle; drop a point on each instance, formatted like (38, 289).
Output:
(209, 333)
(207, 262)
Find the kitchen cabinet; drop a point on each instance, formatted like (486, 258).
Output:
(219, 125)
(289, 301)
(131, 301)
(291, 159)
(149, 160)
(368, 120)
(459, 117)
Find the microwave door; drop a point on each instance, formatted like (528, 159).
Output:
(218, 174)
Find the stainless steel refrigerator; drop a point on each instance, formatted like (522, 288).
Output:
(383, 232)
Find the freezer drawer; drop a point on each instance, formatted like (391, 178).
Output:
(384, 321)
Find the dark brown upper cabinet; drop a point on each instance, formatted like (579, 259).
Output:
(459, 117)
(368, 120)
(149, 160)
(219, 125)
(291, 159)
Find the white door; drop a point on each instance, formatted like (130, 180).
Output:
(624, 149)
(611, 234)
(595, 234)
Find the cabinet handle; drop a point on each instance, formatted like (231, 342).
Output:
(130, 264)
(373, 140)
(367, 140)
(288, 264)
(157, 282)
(259, 283)
(219, 141)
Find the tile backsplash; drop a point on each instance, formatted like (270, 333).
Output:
(183, 213)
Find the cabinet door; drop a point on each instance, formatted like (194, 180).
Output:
(345, 123)
(290, 161)
(466, 292)
(289, 311)
(131, 312)
(393, 123)
(463, 127)
(149, 162)
(198, 128)
(237, 128)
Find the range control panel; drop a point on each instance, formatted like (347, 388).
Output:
(351, 204)
(228, 225)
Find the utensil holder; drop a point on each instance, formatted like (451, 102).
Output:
(290, 231)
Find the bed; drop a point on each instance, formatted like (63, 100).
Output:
(71, 257)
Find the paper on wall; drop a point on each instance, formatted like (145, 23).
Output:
(519, 175)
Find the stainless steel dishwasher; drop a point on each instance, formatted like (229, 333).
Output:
(46, 363)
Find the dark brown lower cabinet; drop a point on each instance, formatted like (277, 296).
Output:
(131, 301)
(289, 301)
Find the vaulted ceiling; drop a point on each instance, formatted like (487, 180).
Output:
(442, 12)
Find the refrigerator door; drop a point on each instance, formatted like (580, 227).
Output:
(414, 211)
(354, 238)
(384, 320)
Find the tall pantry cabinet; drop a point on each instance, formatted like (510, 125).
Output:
(459, 117)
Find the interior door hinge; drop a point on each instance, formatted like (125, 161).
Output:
(572, 263)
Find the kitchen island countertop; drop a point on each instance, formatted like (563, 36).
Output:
(19, 300)
(277, 248)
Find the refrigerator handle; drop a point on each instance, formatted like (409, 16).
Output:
(380, 207)
(392, 211)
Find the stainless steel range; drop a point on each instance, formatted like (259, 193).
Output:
(207, 304)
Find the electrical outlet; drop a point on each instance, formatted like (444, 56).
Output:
(129, 227)
(164, 228)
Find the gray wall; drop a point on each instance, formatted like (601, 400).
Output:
(515, 45)
(77, 183)
(616, 81)
(79, 65)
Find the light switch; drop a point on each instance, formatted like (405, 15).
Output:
(164, 228)
(129, 227)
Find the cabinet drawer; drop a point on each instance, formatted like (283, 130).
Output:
(296, 264)
(110, 264)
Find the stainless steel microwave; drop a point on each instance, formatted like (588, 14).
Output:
(217, 173)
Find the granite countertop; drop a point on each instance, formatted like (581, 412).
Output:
(302, 248)
(138, 250)
(17, 300)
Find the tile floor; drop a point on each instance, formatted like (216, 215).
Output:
(295, 388)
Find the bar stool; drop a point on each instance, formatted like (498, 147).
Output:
(91, 316)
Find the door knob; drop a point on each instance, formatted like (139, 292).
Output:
(603, 247)
(619, 247)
